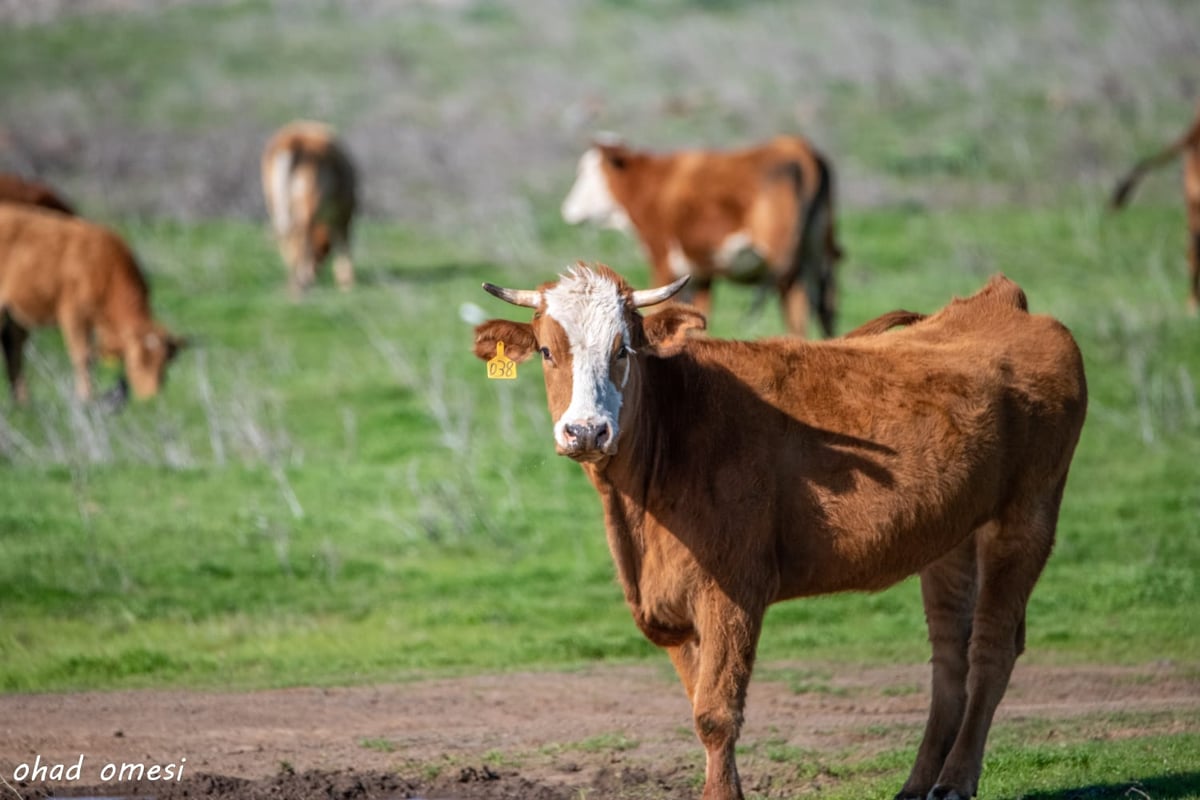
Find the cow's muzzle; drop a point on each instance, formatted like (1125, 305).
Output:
(587, 441)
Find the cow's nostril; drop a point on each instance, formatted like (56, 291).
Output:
(573, 432)
(603, 432)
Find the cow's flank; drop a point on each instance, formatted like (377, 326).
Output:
(762, 215)
(1188, 146)
(736, 474)
(310, 189)
(60, 270)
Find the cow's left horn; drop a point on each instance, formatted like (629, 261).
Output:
(648, 297)
(518, 297)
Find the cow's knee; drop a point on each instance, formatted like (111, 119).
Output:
(717, 727)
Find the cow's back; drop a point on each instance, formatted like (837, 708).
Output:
(47, 259)
(14, 189)
(706, 196)
(307, 151)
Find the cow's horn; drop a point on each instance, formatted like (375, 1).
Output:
(648, 297)
(518, 297)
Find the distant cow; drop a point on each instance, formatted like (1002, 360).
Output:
(63, 270)
(1189, 147)
(737, 474)
(15, 189)
(310, 186)
(762, 215)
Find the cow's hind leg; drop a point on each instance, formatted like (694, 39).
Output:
(301, 262)
(343, 265)
(12, 337)
(794, 300)
(1010, 558)
(728, 637)
(948, 589)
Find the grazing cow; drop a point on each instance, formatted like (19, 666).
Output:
(65, 270)
(762, 215)
(737, 474)
(309, 184)
(1188, 146)
(15, 189)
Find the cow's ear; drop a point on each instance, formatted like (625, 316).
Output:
(616, 154)
(518, 338)
(669, 329)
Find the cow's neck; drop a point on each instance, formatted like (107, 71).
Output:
(630, 483)
(638, 195)
(126, 307)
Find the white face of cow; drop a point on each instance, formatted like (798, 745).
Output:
(590, 309)
(590, 199)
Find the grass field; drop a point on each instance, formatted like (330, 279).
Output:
(331, 492)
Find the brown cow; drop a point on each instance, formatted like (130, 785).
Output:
(309, 184)
(64, 270)
(737, 474)
(15, 189)
(1189, 146)
(762, 215)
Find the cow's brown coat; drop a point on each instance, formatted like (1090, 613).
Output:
(1188, 146)
(779, 194)
(62, 270)
(746, 473)
(310, 188)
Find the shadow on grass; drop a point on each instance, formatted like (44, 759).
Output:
(1159, 787)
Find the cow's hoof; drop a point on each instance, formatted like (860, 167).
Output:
(902, 795)
(946, 793)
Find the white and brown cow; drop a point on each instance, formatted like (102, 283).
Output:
(762, 215)
(310, 188)
(735, 474)
(62, 270)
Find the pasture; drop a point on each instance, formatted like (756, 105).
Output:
(330, 493)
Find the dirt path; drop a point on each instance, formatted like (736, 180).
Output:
(609, 731)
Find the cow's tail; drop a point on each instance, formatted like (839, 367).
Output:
(820, 204)
(279, 175)
(818, 248)
(1124, 188)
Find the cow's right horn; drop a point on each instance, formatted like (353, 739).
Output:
(528, 298)
(648, 297)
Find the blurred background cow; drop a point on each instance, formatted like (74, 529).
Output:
(309, 184)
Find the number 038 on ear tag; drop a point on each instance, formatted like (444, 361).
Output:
(502, 368)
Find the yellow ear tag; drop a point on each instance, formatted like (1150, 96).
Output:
(502, 368)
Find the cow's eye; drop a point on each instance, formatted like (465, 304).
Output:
(622, 353)
(545, 351)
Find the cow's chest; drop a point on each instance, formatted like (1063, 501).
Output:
(666, 584)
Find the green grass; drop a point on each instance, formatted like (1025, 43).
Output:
(1140, 767)
(332, 492)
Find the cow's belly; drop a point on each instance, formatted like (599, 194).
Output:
(29, 309)
(739, 260)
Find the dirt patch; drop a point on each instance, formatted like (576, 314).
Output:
(615, 732)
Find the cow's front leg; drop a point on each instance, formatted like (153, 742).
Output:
(686, 658)
(728, 637)
(79, 349)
